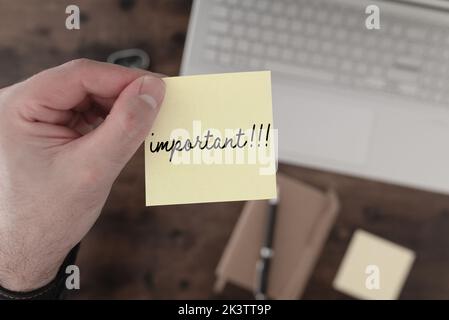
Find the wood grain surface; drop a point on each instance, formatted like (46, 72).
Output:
(134, 252)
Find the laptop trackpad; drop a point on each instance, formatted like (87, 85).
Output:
(316, 128)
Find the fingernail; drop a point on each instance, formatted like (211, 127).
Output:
(152, 91)
(149, 100)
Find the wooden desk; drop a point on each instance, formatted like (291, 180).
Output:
(171, 252)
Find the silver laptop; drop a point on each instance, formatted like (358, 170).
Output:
(369, 103)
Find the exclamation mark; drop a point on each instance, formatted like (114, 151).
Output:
(260, 134)
(252, 134)
(268, 134)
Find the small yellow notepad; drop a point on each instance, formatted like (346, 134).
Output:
(213, 140)
(373, 268)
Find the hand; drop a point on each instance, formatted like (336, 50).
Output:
(59, 159)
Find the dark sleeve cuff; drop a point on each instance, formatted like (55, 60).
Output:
(52, 291)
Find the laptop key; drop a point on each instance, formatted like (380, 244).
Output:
(407, 89)
(219, 27)
(374, 83)
(401, 75)
(302, 72)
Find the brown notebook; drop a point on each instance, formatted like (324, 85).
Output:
(304, 218)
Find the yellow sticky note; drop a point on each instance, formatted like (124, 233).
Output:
(373, 268)
(213, 140)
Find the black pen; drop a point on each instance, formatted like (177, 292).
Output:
(266, 252)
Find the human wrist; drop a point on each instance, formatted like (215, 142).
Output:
(45, 290)
(25, 275)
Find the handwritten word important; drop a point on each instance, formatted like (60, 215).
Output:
(254, 145)
(211, 141)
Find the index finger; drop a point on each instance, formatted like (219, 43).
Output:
(67, 85)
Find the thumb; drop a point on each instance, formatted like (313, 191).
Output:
(116, 140)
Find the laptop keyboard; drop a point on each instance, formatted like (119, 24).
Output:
(327, 42)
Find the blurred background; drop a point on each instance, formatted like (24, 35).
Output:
(134, 252)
